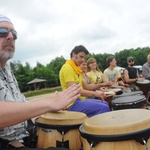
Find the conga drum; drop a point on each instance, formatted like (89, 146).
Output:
(60, 129)
(128, 102)
(144, 86)
(127, 129)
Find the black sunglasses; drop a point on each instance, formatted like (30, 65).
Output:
(4, 32)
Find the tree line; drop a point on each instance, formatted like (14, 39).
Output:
(50, 72)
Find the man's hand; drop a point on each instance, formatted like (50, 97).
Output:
(60, 100)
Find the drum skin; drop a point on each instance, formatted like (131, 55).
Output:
(121, 123)
(52, 125)
(129, 102)
(129, 94)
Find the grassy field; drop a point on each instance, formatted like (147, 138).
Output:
(42, 91)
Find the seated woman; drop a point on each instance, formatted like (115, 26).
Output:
(86, 78)
(95, 74)
(83, 67)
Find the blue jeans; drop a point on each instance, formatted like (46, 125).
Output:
(90, 107)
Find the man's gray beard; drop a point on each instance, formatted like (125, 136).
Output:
(6, 54)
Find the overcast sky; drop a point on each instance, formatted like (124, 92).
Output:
(50, 28)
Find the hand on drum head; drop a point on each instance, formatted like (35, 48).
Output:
(100, 95)
(140, 79)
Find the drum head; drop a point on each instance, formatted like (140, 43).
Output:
(118, 122)
(143, 82)
(62, 118)
(110, 93)
(129, 94)
(128, 99)
(114, 90)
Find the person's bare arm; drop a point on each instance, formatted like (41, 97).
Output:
(126, 76)
(89, 93)
(16, 112)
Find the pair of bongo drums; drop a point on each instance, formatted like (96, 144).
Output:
(127, 129)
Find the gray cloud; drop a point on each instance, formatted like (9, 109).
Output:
(50, 28)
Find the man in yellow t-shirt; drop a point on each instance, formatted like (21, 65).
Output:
(71, 73)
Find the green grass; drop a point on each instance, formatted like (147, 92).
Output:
(42, 91)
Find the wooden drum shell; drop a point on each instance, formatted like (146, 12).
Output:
(144, 86)
(117, 130)
(51, 127)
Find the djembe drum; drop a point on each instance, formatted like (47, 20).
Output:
(129, 102)
(144, 86)
(60, 129)
(127, 129)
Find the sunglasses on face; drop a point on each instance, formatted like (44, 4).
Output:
(4, 32)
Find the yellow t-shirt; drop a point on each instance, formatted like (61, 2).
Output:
(95, 77)
(67, 74)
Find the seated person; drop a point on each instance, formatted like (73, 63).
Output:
(83, 67)
(15, 110)
(131, 75)
(95, 74)
(146, 69)
(112, 74)
(71, 73)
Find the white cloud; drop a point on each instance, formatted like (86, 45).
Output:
(50, 28)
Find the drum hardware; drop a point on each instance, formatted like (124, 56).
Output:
(140, 136)
(122, 129)
(145, 143)
(91, 145)
(62, 143)
(60, 129)
(46, 130)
